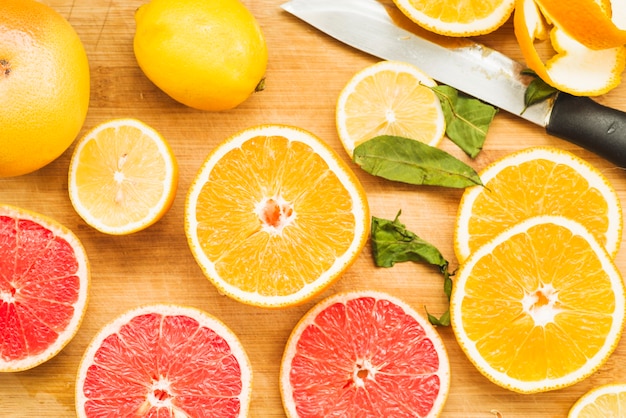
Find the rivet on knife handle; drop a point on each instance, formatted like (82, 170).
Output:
(586, 123)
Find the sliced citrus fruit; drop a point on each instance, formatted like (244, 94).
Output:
(606, 401)
(537, 181)
(274, 216)
(539, 307)
(164, 361)
(44, 280)
(458, 17)
(573, 67)
(364, 354)
(389, 98)
(123, 177)
(587, 21)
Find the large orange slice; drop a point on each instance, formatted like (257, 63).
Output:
(274, 216)
(44, 281)
(539, 307)
(164, 361)
(364, 354)
(537, 181)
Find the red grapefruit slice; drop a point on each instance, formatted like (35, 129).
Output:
(44, 280)
(364, 354)
(164, 361)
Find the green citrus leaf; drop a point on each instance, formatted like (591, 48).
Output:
(406, 160)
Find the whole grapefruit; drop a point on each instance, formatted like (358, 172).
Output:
(44, 86)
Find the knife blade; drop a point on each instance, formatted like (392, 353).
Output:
(471, 68)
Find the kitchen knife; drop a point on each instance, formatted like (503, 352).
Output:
(476, 70)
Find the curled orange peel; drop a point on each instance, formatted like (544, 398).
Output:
(573, 68)
(587, 21)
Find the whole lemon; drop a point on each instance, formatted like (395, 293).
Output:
(206, 54)
(44, 86)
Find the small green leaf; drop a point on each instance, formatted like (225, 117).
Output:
(467, 119)
(393, 243)
(537, 91)
(409, 161)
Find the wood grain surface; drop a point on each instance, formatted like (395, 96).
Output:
(306, 72)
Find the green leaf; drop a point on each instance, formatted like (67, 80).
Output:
(409, 161)
(393, 243)
(467, 119)
(536, 92)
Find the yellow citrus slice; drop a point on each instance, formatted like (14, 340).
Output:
(537, 181)
(123, 177)
(458, 17)
(389, 98)
(164, 361)
(274, 216)
(539, 307)
(587, 21)
(364, 354)
(44, 281)
(573, 67)
(602, 402)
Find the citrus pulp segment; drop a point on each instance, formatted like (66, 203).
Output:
(539, 307)
(123, 177)
(44, 85)
(458, 17)
(274, 216)
(606, 401)
(537, 181)
(164, 361)
(364, 354)
(389, 98)
(44, 281)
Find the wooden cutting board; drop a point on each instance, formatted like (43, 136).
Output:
(306, 73)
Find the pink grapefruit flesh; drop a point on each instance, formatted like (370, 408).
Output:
(364, 354)
(44, 279)
(164, 361)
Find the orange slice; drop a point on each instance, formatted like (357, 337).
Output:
(364, 354)
(389, 98)
(572, 67)
(44, 280)
(164, 361)
(603, 401)
(458, 17)
(274, 216)
(537, 181)
(123, 177)
(539, 307)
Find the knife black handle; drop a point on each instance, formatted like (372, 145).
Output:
(584, 122)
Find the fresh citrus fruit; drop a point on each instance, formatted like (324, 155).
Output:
(206, 54)
(389, 98)
(458, 17)
(573, 68)
(44, 280)
(539, 307)
(164, 361)
(537, 181)
(364, 354)
(44, 86)
(607, 401)
(274, 216)
(123, 176)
